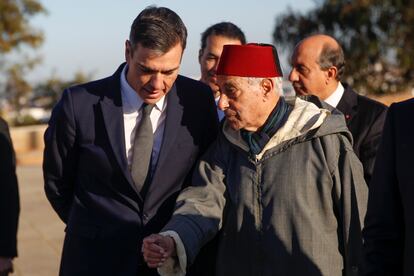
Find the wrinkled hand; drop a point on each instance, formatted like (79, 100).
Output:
(6, 265)
(157, 248)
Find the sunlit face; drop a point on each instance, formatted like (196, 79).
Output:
(306, 76)
(241, 102)
(209, 58)
(151, 73)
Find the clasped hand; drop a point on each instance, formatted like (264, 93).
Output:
(157, 248)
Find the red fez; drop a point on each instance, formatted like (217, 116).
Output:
(250, 60)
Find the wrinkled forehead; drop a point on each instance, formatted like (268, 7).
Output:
(231, 80)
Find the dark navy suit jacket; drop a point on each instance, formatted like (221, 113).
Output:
(389, 223)
(365, 119)
(88, 183)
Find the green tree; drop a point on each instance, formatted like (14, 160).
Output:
(376, 36)
(16, 86)
(48, 92)
(15, 29)
(16, 32)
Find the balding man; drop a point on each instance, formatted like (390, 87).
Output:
(281, 182)
(317, 68)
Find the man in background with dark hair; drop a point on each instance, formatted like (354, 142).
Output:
(119, 150)
(212, 41)
(9, 201)
(317, 68)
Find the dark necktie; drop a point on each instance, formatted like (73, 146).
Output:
(142, 148)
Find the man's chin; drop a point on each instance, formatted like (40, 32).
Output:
(233, 124)
(214, 87)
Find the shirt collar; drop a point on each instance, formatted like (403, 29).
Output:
(130, 98)
(336, 96)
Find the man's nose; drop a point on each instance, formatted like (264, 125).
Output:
(293, 76)
(157, 81)
(223, 102)
(215, 65)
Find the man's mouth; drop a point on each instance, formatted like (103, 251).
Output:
(299, 89)
(213, 79)
(230, 113)
(152, 93)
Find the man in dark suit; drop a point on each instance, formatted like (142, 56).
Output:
(317, 67)
(96, 150)
(9, 201)
(389, 223)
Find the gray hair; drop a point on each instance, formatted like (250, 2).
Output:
(332, 56)
(278, 81)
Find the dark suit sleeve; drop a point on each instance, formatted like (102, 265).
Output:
(383, 232)
(59, 161)
(9, 195)
(369, 147)
(211, 121)
(204, 264)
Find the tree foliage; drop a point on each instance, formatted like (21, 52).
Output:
(16, 86)
(16, 32)
(15, 29)
(48, 92)
(376, 36)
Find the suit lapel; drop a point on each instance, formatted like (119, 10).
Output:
(112, 112)
(348, 104)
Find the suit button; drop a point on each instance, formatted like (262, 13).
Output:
(145, 218)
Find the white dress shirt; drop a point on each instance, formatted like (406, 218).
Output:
(336, 96)
(131, 104)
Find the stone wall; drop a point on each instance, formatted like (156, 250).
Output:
(28, 144)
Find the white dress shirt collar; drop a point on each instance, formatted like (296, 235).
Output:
(336, 96)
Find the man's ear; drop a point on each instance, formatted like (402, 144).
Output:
(331, 73)
(267, 86)
(200, 54)
(128, 50)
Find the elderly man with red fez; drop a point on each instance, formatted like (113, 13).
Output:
(281, 181)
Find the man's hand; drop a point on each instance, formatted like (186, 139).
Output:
(6, 265)
(157, 248)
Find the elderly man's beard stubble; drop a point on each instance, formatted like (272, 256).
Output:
(233, 118)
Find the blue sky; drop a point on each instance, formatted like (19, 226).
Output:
(89, 35)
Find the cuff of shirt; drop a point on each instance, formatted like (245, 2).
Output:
(170, 266)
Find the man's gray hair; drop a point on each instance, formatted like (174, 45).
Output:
(332, 56)
(278, 81)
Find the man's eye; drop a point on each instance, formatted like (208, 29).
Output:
(302, 69)
(169, 73)
(211, 58)
(144, 70)
(231, 92)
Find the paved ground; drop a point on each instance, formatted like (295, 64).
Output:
(41, 232)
